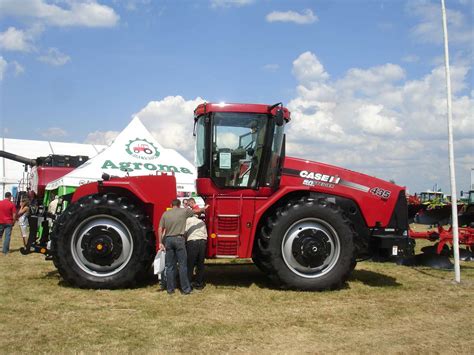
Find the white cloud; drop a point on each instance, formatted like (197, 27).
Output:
(271, 67)
(375, 121)
(308, 69)
(102, 138)
(306, 17)
(430, 29)
(16, 40)
(87, 13)
(3, 67)
(53, 132)
(54, 57)
(230, 3)
(42, 13)
(8, 67)
(411, 58)
(171, 122)
(371, 120)
(133, 5)
(373, 80)
(18, 69)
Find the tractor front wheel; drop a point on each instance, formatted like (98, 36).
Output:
(102, 241)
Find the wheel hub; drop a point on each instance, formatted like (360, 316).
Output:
(311, 248)
(101, 245)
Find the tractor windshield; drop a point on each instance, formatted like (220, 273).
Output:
(237, 148)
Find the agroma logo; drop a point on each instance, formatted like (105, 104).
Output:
(131, 166)
(142, 149)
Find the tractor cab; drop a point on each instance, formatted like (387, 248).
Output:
(240, 146)
(239, 151)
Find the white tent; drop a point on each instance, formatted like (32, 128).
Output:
(12, 173)
(134, 152)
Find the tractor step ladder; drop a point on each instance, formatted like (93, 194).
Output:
(228, 232)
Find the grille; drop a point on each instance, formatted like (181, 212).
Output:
(228, 223)
(227, 247)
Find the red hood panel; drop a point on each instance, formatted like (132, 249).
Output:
(376, 198)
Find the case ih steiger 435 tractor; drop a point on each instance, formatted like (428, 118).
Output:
(305, 224)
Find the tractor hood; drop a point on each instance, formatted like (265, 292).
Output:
(372, 195)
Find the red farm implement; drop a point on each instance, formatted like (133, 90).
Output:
(444, 237)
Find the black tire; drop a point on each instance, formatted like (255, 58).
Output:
(102, 241)
(307, 245)
(260, 262)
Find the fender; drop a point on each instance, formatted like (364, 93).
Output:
(155, 192)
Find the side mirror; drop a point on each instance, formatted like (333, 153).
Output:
(279, 120)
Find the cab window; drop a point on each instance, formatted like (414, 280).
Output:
(237, 148)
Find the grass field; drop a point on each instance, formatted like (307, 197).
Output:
(384, 308)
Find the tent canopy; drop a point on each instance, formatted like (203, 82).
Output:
(134, 152)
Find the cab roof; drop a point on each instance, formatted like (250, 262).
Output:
(245, 108)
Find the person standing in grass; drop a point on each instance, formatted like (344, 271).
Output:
(7, 220)
(22, 216)
(196, 241)
(171, 237)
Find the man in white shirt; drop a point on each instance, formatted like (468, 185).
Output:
(196, 234)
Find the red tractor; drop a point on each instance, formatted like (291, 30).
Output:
(305, 224)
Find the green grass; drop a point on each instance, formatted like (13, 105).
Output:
(384, 308)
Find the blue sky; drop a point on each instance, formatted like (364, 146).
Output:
(350, 71)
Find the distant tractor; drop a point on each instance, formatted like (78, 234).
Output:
(466, 217)
(39, 172)
(305, 224)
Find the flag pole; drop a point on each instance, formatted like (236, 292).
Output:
(454, 205)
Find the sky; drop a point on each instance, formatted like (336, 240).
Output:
(364, 80)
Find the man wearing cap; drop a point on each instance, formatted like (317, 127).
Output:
(7, 220)
(171, 237)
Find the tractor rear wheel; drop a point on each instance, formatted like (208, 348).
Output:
(307, 245)
(102, 241)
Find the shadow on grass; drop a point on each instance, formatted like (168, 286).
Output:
(247, 274)
(53, 274)
(219, 275)
(236, 275)
(374, 279)
(434, 273)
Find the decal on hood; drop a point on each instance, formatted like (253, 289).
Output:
(314, 178)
